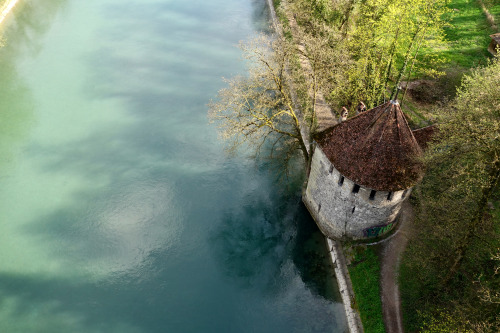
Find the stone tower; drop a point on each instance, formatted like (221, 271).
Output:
(361, 172)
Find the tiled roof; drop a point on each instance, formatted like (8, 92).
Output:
(424, 135)
(375, 149)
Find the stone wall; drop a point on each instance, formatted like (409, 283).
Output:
(341, 213)
(345, 285)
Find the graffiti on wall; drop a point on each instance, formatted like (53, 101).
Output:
(377, 230)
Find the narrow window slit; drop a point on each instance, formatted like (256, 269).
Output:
(355, 189)
(319, 208)
(331, 169)
(372, 195)
(353, 209)
(389, 196)
(341, 180)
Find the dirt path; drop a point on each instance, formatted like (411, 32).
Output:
(390, 256)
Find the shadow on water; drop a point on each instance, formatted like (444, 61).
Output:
(253, 249)
(252, 244)
(35, 300)
(312, 259)
(49, 305)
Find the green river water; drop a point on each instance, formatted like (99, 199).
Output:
(119, 210)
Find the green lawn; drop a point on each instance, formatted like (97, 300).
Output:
(467, 37)
(468, 33)
(365, 276)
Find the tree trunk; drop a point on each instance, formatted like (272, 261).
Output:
(407, 57)
(413, 64)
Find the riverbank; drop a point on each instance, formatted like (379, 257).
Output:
(6, 8)
(335, 248)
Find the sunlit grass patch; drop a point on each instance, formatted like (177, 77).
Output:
(468, 33)
(365, 276)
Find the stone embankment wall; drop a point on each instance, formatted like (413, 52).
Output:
(336, 252)
(345, 286)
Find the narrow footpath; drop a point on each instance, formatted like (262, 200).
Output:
(391, 252)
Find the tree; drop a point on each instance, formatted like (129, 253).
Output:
(386, 41)
(259, 108)
(450, 258)
(274, 105)
(471, 138)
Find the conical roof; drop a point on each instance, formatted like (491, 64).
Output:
(375, 149)
(424, 135)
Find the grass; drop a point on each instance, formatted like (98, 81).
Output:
(410, 293)
(467, 35)
(466, 46)
(414, 114)
(365, 277)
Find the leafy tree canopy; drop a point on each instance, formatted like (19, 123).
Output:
(452, 262)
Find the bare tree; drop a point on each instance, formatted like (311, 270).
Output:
(277, 104)
(261, 108)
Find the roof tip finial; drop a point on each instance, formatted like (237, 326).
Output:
(395, 94)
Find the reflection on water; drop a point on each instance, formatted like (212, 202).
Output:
(121, 212)
(16, 107)
(115, 231)
(261, 15)
(270, 246)
(270, 231)
(27, 24)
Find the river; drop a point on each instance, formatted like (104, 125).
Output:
(119, 210)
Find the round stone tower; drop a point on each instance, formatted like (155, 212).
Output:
(361, 171)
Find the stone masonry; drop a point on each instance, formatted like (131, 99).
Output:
(339, 212)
